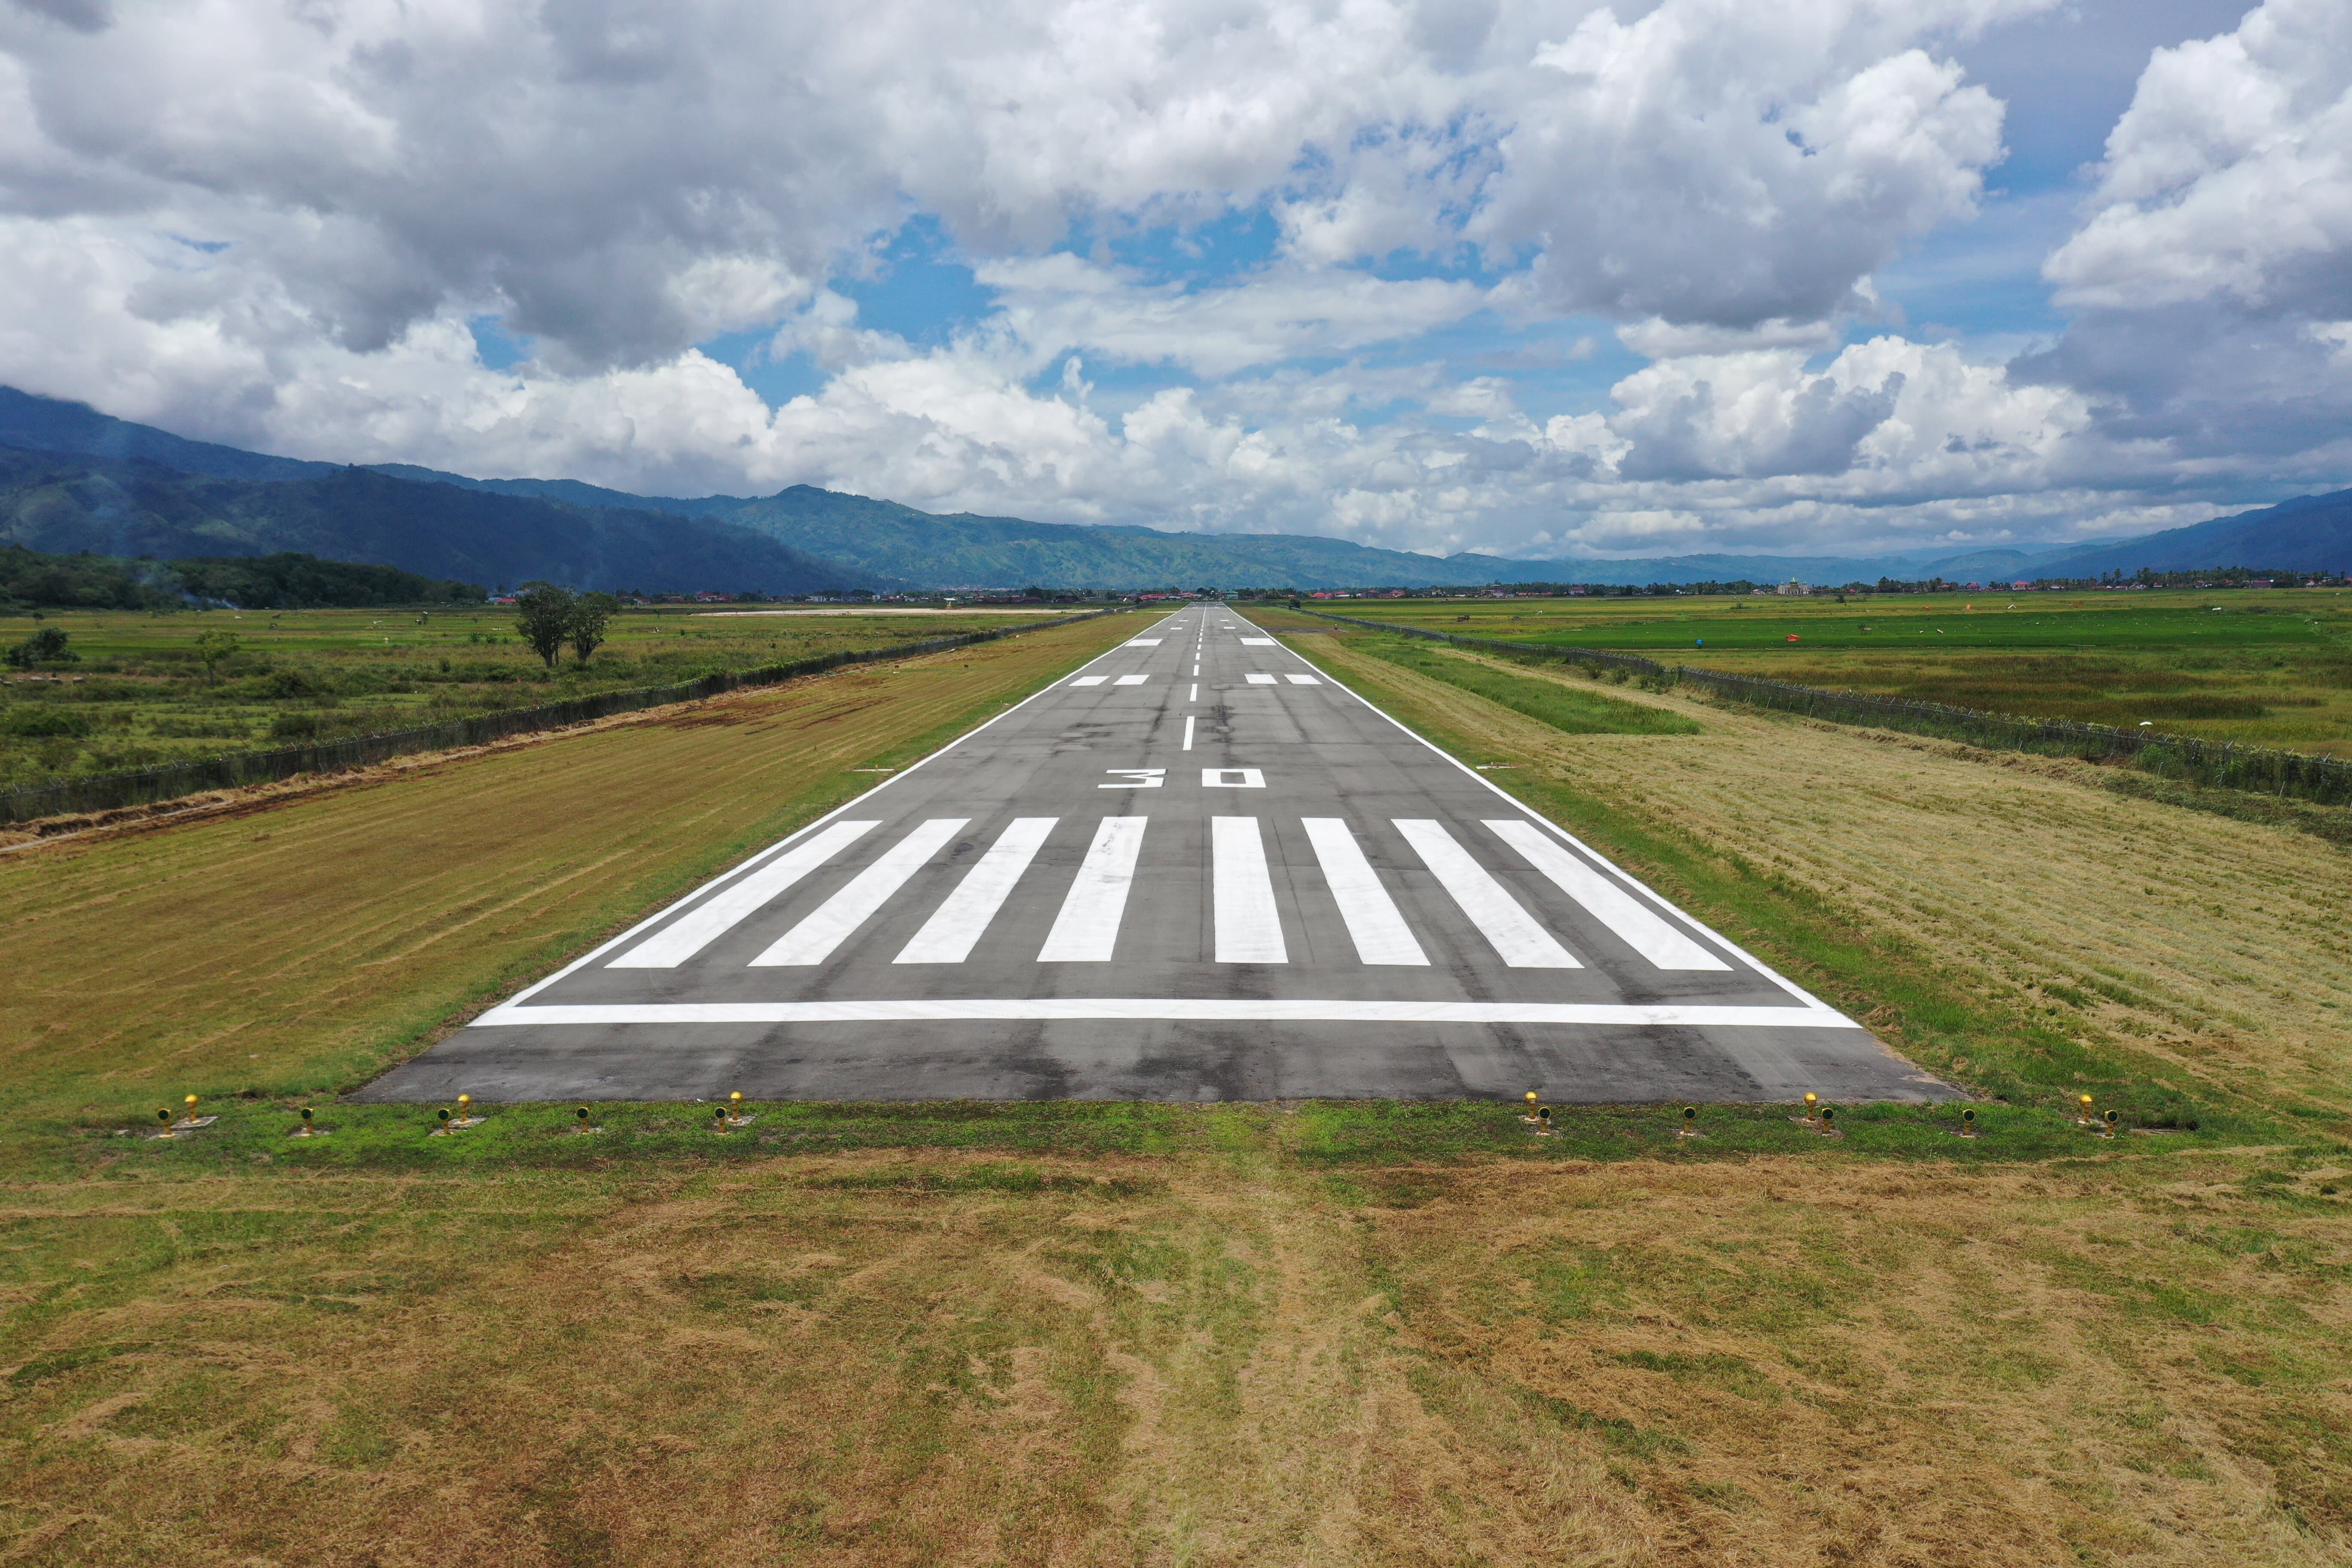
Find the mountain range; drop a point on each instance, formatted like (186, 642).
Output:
(72, 479)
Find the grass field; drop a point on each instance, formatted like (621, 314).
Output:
(2270, 668)
(1201, 1335)
(140, 694)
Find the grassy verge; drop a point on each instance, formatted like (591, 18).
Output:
(1086, 1333)
(1977, 1016)
(302, 946)
(1571, 709)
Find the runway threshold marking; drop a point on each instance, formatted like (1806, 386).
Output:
(1374, 923)
(949, 935)
(715, 916)
(1607, 902)
(1522, 944)
(1249, 928)
(832, 922)
(1086, 928)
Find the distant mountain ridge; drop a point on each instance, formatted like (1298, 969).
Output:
(803, 538)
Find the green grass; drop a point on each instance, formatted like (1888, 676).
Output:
(1374, 1333)
(1571, 711)
(2267, 668)
(139, 694)
(2022, 1058)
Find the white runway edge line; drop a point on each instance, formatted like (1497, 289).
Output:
(832, 922)
(712, 919)
(1088, 927)
(1374, 923)
(1522, 944)
(1170, 1009)
(1607, 902)
(949, 935)
(1249, 928)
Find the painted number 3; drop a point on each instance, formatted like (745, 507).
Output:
(1136, 778)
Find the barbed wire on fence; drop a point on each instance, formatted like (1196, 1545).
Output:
(2225, 764)
(169, 781)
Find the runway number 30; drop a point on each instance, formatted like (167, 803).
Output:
(1136, 778)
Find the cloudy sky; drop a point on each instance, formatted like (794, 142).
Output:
(1538, 278)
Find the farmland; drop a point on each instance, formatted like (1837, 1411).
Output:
(1109, 1332)
(139, 693)
(2267, 668)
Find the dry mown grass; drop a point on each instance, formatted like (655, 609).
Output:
(1266, 1341)
(1210, 1358)
(2220, 949)
(291, 947)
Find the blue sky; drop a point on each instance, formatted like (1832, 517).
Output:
(1537, 279)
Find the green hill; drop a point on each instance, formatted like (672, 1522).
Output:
(62, 504)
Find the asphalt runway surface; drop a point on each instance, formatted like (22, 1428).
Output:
(1192, 870)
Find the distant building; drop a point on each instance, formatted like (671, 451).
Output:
(1793, 589)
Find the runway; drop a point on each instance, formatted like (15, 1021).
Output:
(1194, 868)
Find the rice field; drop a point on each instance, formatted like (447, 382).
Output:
(2268, 668)
(140, 692)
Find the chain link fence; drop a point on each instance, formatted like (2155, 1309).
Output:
(169, 781)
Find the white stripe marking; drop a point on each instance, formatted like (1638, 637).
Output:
(1091, 681)
(1641, 931)
(1131, 681)
(1087, 928)
(1249, 928)
(1195, 696)
(1188, 732)
(833, 920)
(1302, 681)
(1258, 642)
(949, 935)
(1186, 1009)
(1143, 642)
(1378, 930)
(717, 915)
(1259, 680)
(1522, 944)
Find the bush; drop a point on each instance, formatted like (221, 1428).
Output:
(43, 720)
(46, 645)
(294, 726)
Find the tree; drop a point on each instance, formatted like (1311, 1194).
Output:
(590, 614)
(211, 649)
(543, 617)
(46, 645)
